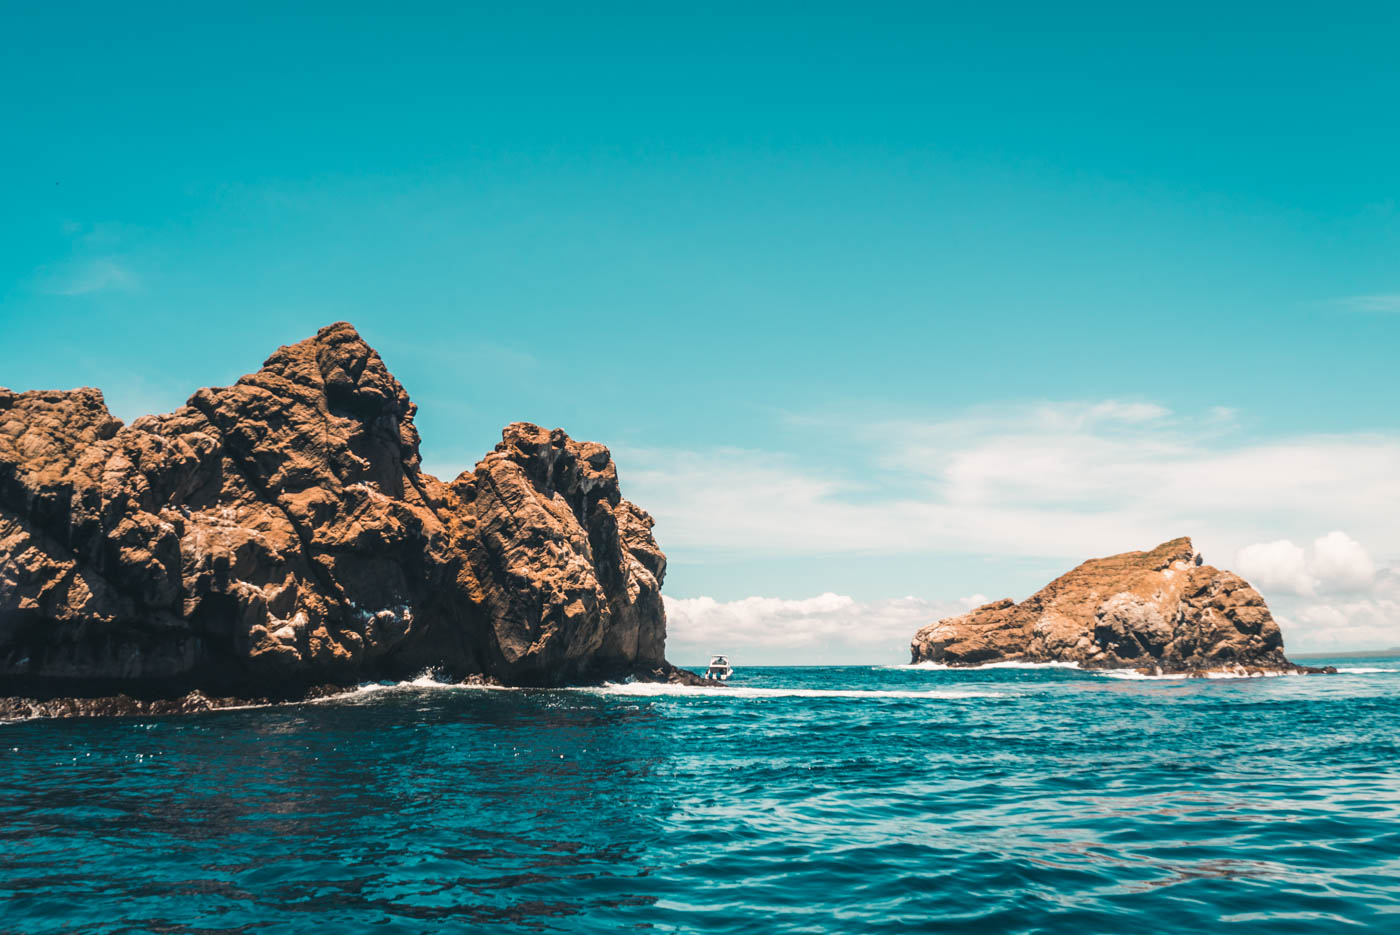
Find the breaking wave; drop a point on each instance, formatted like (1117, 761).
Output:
(663, 690)
(1131, 674)
(720, 693)
(1134, 675)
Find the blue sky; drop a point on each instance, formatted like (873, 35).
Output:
(886, 301)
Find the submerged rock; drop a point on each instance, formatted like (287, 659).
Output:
(1162, 612)
(279, 534)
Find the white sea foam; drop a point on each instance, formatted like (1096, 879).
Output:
(1126, 674)
(664, 689)
(722, 692)
(422, 682)
(1134, 675)
(428, 682)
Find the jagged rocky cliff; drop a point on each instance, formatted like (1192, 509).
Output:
(279, 534)
(1162, 611)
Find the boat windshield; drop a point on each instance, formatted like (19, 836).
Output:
(719, 661)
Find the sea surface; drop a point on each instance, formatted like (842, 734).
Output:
(794, 800)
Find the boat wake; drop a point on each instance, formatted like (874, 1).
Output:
(657, 690)
(653, 689)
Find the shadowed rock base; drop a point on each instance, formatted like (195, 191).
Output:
(1161, 612)
(279, 535)
(195, 702)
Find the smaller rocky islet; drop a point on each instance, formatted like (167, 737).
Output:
(1161, 612)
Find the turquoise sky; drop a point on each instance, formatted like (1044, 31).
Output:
(742, 228)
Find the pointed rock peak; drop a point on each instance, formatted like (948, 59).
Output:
(340, 364)
(1163, 556)
(1171, 552)
(338, 330)
(1171, 548)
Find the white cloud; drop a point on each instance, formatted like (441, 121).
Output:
(1279, 565)
(1069, 416)
(1341, 562)
(1337, 563)
(752, 501)
(1116, 410)
(1351, 622)
(833, 627)
(1063, 481)
(1328, 597)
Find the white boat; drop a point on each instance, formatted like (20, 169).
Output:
(720, 669)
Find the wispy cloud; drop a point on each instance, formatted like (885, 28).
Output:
(1373, 303)
(1051, 481)
(85, 277)
(1110, 411)
(99, 261)
(827, 627)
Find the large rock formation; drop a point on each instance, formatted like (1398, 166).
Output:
(1161, 612)
(279, 534)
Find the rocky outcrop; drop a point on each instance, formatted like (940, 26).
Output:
(280, 534)
(1162, 612)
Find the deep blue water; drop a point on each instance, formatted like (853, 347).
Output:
(888, 800)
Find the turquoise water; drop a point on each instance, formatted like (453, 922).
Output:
(799, 800)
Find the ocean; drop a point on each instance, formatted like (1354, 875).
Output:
(851, 799)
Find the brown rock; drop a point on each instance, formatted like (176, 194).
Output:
(279, 534)
(1160, 611)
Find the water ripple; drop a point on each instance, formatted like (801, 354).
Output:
(794, 800)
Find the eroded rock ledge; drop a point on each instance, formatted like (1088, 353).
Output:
(279, 534)
(1161, 612)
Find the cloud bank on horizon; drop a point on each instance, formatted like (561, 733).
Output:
(1054, 481)
(828, 628)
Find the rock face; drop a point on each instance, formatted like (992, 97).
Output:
(1161, 611)
(279, 534)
